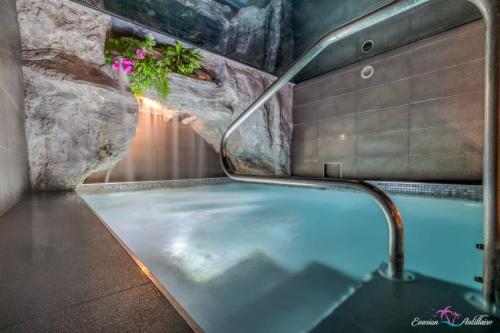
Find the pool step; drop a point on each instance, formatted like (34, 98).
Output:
(381, 305)
(294, 305)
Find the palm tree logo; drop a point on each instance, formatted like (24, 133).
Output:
(445, 313)
(455, 316)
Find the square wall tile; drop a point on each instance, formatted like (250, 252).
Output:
(305, 132)
(305, 150)
(384, 96)
(304, 114)
(447, 82)
(389, 69)
(456, 49)
(337, 126)
(307, 169)
(444, 167)
(392, 119)
(460, 109)
(383, 144)
(390, 168)
(460, 139)
(338, 106)
(336, 147)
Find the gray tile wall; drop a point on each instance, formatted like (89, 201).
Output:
(419, 117)
(13, 150)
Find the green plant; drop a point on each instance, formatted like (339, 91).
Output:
(149, 74)
(123, 47)
(182, 60)
(148, 66)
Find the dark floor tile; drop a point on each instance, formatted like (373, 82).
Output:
(140, 309)
(54, 254)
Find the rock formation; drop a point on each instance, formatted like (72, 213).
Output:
(79, 121)
(260, 36)
(263, 144)
(257, 32)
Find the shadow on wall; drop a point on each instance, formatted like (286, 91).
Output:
(165, 147)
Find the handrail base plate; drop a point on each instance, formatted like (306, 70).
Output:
(477, 301)
(407, 275)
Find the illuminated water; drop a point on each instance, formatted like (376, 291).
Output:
(249, 258)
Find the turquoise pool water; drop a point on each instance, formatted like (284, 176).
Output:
(255, 258)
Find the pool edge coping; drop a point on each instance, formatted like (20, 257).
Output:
(161, 288)
(418, 189)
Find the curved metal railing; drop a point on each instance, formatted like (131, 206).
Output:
(395, 268)
(490, 11)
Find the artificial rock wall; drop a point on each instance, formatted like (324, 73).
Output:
(80, 121)
(259, 33)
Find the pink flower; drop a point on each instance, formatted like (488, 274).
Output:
(141, 53)
(116, 64)
(128, 69)
(126, 62)
(128, 66)
(125, 65)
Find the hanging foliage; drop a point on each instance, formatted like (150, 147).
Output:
(147, 66)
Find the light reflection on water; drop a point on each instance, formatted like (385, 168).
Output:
(277, 258)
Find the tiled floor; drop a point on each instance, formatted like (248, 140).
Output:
(62, 271)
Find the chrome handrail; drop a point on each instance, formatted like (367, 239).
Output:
(395, 268)
(490, 11)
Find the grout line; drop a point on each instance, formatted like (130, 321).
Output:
(399, 105)
(410, 77)
(447, 154)
(462, 64)
(449, 96)
(476, 123)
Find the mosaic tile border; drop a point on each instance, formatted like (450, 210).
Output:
(148, 185)
(433, 190)
(449, 191)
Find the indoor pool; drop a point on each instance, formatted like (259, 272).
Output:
(257, 258)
